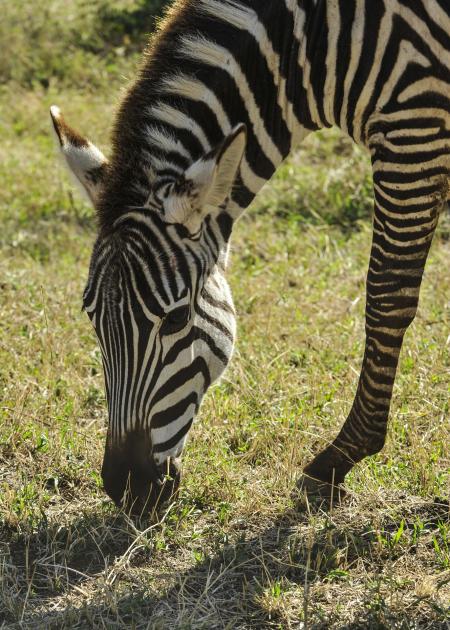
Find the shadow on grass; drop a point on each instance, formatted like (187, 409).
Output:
(56, 557)
(241, 585)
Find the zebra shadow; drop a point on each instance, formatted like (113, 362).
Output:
(240, 584)
(58, 555)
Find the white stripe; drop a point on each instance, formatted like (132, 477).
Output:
(299, 16)
(410, 132)
(428, 84)
(357, 37)
(131, 415)
(334, 20)
(147, 371)
(123, 358)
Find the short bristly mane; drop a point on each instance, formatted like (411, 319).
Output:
(177, 70)
(129, 176)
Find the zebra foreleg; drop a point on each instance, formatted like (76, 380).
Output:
(406, 215)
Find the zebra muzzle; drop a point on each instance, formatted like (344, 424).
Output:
(132, 478)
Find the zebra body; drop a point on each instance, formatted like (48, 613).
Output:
(226, 90)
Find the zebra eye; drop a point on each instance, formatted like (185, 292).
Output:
(175, 320)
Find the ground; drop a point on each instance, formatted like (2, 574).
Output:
(239, 548)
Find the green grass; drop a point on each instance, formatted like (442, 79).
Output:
(78, 43)
(237, 549)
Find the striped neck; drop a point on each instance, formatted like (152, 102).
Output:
(212, 65)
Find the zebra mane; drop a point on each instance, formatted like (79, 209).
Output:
(172, 115)
(130, 165)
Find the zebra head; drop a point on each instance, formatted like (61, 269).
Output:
(161, 309)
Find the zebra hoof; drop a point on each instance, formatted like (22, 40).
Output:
(320, 491)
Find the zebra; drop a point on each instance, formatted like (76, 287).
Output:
(225, 91)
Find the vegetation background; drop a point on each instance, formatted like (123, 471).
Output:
(235, 550)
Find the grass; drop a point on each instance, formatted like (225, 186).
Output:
(237, 549)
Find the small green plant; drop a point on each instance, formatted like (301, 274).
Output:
(441, 544)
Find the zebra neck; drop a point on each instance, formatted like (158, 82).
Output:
(214, 64)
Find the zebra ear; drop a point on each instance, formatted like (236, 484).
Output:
(84, 160)
(214, 174)
(207, 183)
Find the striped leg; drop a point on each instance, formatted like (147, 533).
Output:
(409, 193)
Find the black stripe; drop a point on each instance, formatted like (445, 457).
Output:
(169, 444)
(163, 418)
